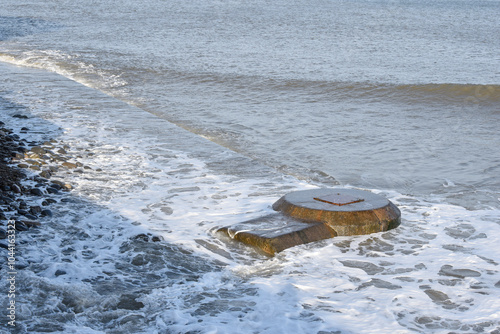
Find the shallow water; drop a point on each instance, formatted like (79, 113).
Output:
(201, 115)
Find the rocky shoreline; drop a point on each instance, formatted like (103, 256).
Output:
(30, 179)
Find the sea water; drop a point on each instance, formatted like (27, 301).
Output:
(201, 114)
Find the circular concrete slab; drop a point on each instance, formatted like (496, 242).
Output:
(346, 211)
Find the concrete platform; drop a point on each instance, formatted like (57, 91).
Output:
(317, 214)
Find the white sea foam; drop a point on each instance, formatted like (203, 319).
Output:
(438, 272)
(69, 66)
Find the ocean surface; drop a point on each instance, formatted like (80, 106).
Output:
(202, 113)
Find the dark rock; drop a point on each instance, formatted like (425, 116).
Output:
(30, 216)
(46, 174)
(32, 223)
(3, 234)
(20, 226)
(24, 128)
(60, 272)
(64, 186)
(140, 260)
(36, 192)
(68, 251)
(23, 205)
(142, 236)
(5, 200)
(128, 302)
(52, 191)
(59, 183)
(41, 181)
(20, 116)
(2, 245)
(22, 212)
(55, 186)
(13, 137)
(46, 213)
(35, 209)
(148, 237)
(16, 188)
(448, 270)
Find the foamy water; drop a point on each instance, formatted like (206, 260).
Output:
(191, 120)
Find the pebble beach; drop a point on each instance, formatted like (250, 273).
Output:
(27, 186)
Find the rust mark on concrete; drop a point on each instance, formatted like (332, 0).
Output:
(339, 199)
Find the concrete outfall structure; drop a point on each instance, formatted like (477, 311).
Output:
(312, 215)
